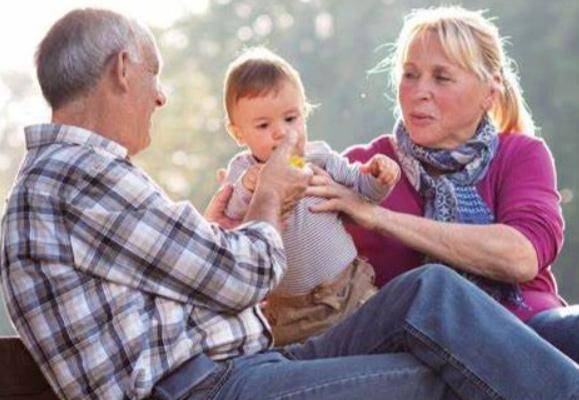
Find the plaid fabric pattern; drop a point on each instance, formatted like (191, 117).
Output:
(110, 284)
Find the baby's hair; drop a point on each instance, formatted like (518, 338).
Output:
(257, 72)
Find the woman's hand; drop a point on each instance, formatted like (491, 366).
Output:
(340, 199)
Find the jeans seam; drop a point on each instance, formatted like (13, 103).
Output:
(441, 352)
(384, 347)
(297, 392)
(287, 353)
(216, 387)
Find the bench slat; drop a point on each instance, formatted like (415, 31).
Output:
(20, 377)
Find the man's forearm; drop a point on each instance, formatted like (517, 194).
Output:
(265, 206)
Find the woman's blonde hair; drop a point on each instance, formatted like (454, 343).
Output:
(473, 43)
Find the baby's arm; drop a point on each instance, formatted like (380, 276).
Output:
(384, 169)
(373, 180)
(242, 176)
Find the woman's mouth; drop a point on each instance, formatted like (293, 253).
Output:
(421, 118)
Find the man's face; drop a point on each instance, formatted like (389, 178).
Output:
(146, 95)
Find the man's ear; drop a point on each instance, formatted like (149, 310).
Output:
(121, 70)
(235, 133)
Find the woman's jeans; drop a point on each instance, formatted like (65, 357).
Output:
(560, 327)
(428, 334)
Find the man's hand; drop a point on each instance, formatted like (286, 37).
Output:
(215, 211)
(278, 173)
(279, 186)
(383, 168)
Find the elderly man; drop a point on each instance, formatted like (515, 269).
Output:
(118, 292)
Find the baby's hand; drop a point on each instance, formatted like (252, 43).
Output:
(249, 179)
(383, 168)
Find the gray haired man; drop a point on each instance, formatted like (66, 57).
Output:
(119, 292)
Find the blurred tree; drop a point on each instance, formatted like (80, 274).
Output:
(334, 45)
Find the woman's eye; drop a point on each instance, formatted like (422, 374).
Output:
(291, 119)
(409, 75)
(443, 78)
(261, 126)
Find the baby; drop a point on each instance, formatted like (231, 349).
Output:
(325, 280)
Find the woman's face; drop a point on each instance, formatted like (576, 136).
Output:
(441, 103)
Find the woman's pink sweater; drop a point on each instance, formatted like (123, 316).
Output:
(520, 188)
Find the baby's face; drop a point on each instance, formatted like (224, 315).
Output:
(262, 122)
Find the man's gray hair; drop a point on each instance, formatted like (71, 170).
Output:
(73, 55)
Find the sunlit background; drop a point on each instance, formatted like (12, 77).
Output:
(333, 44)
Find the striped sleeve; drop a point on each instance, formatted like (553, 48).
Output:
(344, 172)
(241, 197)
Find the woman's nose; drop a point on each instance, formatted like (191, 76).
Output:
(423, 90)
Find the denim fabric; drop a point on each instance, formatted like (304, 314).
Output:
(272, 376)
(200, 375)
(429, 334)
(560, 327)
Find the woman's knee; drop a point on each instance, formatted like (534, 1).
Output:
(438, 272)
(558, 319)
(429, 278)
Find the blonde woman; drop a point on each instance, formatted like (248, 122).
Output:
(478, 191)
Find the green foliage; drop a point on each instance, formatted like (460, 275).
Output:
(334, 44)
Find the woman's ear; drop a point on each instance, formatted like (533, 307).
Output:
(495, 90)
(236, 133)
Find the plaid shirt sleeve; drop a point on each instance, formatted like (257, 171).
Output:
(168, 249)
(137, 237)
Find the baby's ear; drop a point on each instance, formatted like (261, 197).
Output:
(236, 133)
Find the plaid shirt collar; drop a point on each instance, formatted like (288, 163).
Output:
(45, 134)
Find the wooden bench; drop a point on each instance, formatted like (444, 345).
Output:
(20, 377)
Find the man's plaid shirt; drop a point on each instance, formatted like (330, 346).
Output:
(110, 284)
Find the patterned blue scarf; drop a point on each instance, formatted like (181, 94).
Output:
(452, 196)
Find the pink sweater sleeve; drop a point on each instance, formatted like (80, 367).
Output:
(527, 197)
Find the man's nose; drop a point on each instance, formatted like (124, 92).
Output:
(161, 99)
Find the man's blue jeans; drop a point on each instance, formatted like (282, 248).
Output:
(428, 334)
(560, 327)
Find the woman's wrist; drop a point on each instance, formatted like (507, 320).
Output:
(380, 219)
(366, 214)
